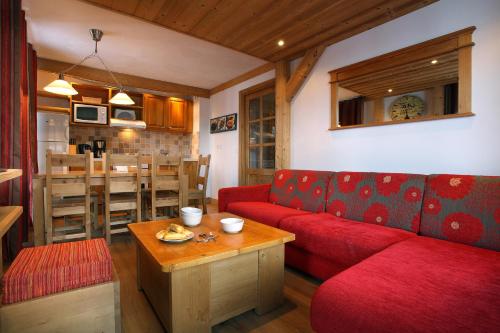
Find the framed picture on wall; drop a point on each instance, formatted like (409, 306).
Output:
(224, 123)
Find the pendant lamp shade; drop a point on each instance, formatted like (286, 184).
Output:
(60, 87)
(121, 98)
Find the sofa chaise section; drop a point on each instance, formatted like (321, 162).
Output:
(418, 285)
(340, 242)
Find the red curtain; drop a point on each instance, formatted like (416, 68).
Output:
(17, 119)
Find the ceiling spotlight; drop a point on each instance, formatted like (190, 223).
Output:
(434, 61)
(281, 42)
(389, 90)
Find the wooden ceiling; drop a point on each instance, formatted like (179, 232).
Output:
(255, 26)
(406, 78)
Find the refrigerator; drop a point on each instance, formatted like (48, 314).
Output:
(52, 133)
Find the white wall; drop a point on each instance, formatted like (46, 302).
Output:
(465, 145)
(224, 146)
(201, 109)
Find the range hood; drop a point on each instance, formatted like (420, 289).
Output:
(116, 122)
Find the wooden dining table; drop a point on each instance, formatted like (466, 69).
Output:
(97, 178)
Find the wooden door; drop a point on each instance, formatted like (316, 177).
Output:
(177, 115)
(258, 134)
(155, 111)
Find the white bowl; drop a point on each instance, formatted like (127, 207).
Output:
(191, 220)
(232, 225)
(191, 211)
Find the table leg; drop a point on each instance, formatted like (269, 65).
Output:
(190, 288)
(138, 255)
(271, 278)
(38, 212)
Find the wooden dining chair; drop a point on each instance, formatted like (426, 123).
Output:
(67, 196)
(166, 185)
(122, 192)
(199, 193)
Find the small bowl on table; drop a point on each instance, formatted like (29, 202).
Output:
(232, 225)
(191, 216)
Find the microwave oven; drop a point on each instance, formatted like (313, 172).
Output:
(90, 114)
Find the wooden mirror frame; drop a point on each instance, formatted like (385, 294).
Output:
(460, 41)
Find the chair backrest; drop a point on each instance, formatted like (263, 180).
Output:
(59, 184)
(128, 181)
(203, 166)
(166, 173)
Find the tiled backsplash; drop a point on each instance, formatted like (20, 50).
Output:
(121, 141)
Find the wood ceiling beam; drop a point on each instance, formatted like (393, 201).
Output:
(126, 80)
(349, 27)
(243, 77)
(306, 65)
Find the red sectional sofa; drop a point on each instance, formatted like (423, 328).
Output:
(398, 252)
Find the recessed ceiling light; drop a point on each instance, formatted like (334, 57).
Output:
(434, 61)
(281, 42)
(389, 90)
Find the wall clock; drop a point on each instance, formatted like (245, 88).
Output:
(407, 107)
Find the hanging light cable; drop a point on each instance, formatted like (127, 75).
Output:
(63, 87)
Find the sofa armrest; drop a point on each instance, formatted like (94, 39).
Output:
(243, 193)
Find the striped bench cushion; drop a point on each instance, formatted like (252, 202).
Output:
(45, 270)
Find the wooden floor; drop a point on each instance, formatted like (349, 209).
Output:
(138, 315)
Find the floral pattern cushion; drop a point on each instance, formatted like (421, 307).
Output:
(463, 209)
(389, 199)
(300, 189)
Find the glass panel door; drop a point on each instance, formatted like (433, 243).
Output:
(260, 127)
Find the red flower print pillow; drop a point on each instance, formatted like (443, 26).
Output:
(462, 209)
(300, 189)
(389, 199)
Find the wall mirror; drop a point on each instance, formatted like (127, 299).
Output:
(426, 81)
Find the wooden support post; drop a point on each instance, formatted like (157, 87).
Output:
(334, 113)
(301, 73)
(379, 109)
(282, 116)
(464, 72)
(285, 91)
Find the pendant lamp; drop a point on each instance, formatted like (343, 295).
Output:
(63, 87)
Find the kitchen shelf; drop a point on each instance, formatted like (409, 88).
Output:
(127, 106)
(87, 103)
(8, 215)
(51, 95)
(10, 174)
(46, 108)
(89, 125)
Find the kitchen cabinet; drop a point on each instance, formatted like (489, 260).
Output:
(179, 115)
(168, 114)
(155, 113)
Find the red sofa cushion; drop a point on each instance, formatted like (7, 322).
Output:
(311, 264)
(418, 285)
(339, 240)
(263, 212)
(243, 193)
(464, 209)
(44, 270)
(300, 189)
(389, 199)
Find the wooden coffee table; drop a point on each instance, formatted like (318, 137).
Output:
(194, 286)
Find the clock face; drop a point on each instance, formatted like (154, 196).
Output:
(407, 107)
